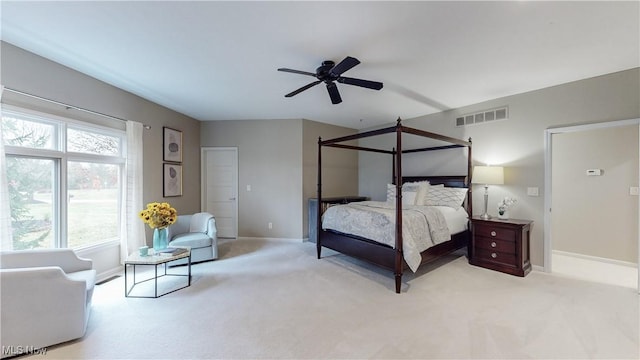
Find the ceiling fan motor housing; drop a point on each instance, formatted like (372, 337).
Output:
(322, 72)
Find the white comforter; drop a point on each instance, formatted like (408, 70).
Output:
(422, 226)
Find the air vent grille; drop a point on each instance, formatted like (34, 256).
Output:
(482, 117)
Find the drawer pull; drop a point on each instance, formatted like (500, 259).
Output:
(493, 233)
(493, 244)
(494, 255)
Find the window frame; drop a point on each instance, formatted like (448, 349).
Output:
(61, 157)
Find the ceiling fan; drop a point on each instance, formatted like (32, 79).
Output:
(329, 72)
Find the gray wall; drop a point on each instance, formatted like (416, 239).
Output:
(595, 215)
(27, 72)
(270, 160)
(518, 143)
(275, 158)
(339, 166)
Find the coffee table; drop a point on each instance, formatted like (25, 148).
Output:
(156, 260)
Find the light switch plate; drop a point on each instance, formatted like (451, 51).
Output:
(634, 190)
(533, 191)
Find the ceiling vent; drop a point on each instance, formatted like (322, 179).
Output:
(483, 116)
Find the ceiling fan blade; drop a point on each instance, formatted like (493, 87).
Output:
(333, 93)
(297, 71)
(359, 82)
(296, 92)
(344, 65)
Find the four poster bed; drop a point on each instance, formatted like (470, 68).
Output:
(389, 251)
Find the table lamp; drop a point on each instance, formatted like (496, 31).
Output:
(487, 175)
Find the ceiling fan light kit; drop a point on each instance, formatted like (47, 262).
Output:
(329, 73)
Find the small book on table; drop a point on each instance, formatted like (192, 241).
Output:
(171, 251)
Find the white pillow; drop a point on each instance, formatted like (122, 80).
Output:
(408, 194)
(422, 193)
(446, 196)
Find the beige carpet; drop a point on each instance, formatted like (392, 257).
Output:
(274, 299)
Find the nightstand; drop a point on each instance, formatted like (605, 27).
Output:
(501, 245)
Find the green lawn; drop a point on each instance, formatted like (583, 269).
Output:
(93, 217)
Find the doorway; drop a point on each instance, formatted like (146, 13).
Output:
(590, 190)
(219, 169)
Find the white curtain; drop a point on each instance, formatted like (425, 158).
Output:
(6, 239)
(133, 233)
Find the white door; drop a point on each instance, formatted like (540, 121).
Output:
(220, 188)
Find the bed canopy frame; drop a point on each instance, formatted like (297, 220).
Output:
(387, 257)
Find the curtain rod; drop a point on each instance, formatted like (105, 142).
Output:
(67, 106)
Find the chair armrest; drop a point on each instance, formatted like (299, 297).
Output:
(23, 281)
(65, 259)
(212, 231)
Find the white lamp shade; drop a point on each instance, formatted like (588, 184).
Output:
(488, 175)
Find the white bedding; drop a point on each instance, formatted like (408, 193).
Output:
(423, 226)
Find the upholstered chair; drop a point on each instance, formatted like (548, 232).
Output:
(46, 297)
(197, 231)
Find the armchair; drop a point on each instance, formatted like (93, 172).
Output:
(46, 297)
(197, 231)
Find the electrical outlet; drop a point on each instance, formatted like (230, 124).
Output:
(248, 187)
(270, 225)
(634, 190)
(533, 191)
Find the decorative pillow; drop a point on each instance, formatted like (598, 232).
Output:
(446, 196)
(409, 194)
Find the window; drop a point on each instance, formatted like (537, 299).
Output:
(50, 159)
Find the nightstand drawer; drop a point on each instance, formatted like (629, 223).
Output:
(485, 243)
(495, 232)
(496, 257)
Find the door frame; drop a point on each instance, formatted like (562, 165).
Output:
(203, 178)
(548, 148)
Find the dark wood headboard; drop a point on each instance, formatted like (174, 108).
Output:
(449, 181)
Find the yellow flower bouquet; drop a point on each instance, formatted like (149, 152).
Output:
(158, 215)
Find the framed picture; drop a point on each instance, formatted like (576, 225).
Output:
(172, 180)
(172, 144)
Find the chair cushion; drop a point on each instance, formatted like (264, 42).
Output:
(195, 240)
(89, 276)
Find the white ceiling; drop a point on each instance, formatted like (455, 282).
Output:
(218, 60)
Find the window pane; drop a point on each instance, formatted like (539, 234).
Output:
(92, 143)
(94, 192)
(32, 134)
(31, 202)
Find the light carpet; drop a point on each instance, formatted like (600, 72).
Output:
(273, 299)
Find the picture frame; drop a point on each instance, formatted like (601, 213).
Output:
(171, 180)
(171, 144)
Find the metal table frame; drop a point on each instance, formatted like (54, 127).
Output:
(155, 261)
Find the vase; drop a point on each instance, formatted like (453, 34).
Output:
(504, 215)
(160, 239)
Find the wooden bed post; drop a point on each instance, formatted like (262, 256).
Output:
(319, 201)
(393, 166)
(468, 182)
(399, 260)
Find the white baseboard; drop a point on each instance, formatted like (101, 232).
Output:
(537, 268)
(109, 273)
(270, 239)
(595, 258)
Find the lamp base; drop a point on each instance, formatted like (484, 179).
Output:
(485, 215)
